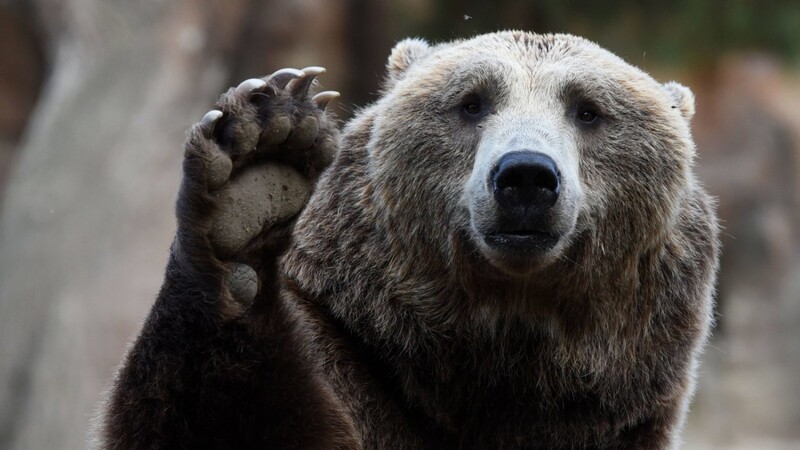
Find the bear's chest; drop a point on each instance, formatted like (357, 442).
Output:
(478, 399)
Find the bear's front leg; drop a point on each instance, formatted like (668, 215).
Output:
(217, 363)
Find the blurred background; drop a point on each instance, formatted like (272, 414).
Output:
(95, 96)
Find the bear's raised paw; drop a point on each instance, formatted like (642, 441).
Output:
(250, 165)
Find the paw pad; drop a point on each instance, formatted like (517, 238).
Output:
(242, 284)
(259, 197)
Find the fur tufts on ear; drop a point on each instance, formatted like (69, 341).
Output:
(403, 56)
(682, 97)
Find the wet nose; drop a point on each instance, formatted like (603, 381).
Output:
(526, 182)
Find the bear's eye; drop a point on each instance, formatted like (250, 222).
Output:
(472, 108)
(587, 114)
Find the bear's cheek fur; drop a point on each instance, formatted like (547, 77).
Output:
(633, 181)
(438, 151)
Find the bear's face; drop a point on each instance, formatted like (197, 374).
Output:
(530, 147)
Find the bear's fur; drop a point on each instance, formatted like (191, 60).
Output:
(389, 323)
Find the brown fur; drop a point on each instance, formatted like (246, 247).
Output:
(412, 338)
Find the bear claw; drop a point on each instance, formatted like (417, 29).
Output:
(209, 120)
(250, 85)
(282, 77)
(323, 98)
(299, 86)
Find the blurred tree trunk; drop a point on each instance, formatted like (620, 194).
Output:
(22, 69)
(87, 216)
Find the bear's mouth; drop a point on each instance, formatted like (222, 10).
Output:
(521, 241)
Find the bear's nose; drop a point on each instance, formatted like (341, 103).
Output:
(526, 182)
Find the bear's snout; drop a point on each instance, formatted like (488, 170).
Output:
(522, 203)
(525, 184)
(524, 192)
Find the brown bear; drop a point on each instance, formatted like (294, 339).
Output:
(509, 249)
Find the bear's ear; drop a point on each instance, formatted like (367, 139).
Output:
(682, 98)
(404, 54)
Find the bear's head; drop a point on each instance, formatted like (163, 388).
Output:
(537, 150)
